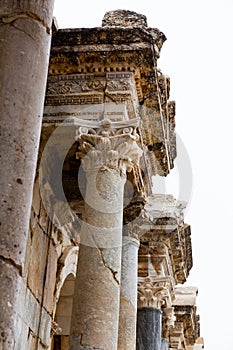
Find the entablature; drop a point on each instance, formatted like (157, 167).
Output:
(117, 48)
(186, 313)
(162, 222)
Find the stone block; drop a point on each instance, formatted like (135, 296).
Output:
(45, 327)
(50, 281)
(22, 343)
(31, 312)
(38, 262)
(31, 342)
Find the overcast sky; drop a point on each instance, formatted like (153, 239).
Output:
(198, 57)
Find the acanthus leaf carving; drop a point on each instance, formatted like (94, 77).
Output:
(153, 292)
(108, 144)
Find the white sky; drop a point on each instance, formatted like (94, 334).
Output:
(198, 57)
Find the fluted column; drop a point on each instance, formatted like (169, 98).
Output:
(107, 151)
(25, 31)
(128, 294)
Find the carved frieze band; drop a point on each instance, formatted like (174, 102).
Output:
(91, 88)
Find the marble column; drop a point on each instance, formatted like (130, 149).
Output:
(149, 328)
(96, 304)
(152, 294)
(25, 31)
(128, 294)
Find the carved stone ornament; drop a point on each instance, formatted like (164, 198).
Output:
(108, 144)
(169, 319)
(153, 292)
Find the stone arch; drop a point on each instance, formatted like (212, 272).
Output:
(64, 298)
(67, 265)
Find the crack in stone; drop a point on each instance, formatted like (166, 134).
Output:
(11, 262)
(21, 30)
(29, 15)
(114, 273)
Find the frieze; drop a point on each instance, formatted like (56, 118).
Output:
(74, 83)
(72, 99)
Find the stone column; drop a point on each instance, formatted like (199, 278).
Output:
(107, 152)
(149, 329)
(25, 31)
(128, 294)
(152, 293)
(164, 344)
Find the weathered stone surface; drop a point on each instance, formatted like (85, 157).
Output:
(38, 261)
(50, 281)
(96, 301)
(124, 18)
(127, 325)
(149, 329)
(63, 313)
(45, 327)
(31, 311)
(9, 305)
(100, 78)
(107, 153)
(24, 46)
(23, 342)
(31, 342)
(124, 44)
(23, 64)
(163, 216)
(128, 294)
(186, 314)
(39, 11)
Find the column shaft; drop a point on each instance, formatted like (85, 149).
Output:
(24, 46)
(97, 292)
(128, 295)
(164, 344)
(149, 329)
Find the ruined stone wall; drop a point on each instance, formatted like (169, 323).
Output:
(103, 89)
(51, 257)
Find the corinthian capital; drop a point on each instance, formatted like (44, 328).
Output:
(153, 292)
(108, 144)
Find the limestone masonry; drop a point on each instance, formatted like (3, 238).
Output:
(91, 258)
